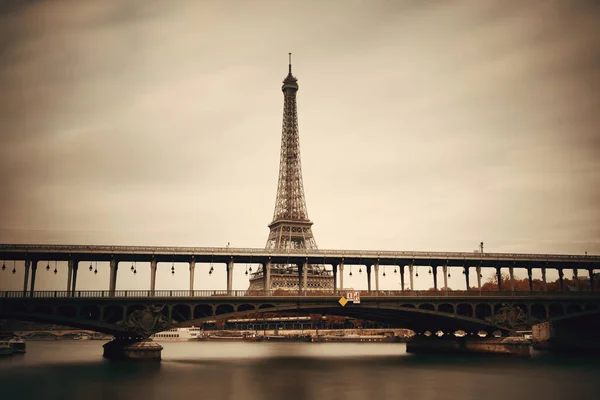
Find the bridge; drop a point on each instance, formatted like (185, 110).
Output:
(407, 262)
(138, 314)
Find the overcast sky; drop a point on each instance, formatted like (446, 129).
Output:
(423, 125)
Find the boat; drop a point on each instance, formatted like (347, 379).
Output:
(177, 335)
(5, 348)
(229, 337)
(17, 344)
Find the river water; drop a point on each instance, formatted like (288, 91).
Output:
(265, 371)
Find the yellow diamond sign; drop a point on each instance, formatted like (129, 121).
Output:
(343, 301)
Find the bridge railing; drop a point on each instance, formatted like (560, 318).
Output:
(119, 294)
(168, 250)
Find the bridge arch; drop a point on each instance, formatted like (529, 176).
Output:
(113, 313)
(91, 312)
(555, 310)
(446, 308)
(245, 307)
(464, 309)
(483, 311)
(181, 312)
(202, 310)
(539, 311)
(224, 309)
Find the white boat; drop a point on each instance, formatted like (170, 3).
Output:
(5, 348)
(178, 335)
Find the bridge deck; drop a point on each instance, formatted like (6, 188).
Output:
(248, 255)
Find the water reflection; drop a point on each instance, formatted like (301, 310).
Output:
(268, 371)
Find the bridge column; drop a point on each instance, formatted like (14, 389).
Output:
(341, 267)
(368, 270)
(434, 271)
(153, 267)
(74, 280)
(34, 264)
(69, 276)
(530, 279)
(467, 278)
(192, 270)
(26, 278)
(300, 274)
(334, 269)
(561, 277)
(511, 272)
(499, 277)
(230, 275)
(576, 278)
(544, 283)
(114, 267)
(376, 277)
(267, 276)
(402, 276)
(445, 270)
(304, 276)
(411, 270)
(478, 270)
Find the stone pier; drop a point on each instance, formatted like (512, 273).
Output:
(133, 349)
(468, 345)
(568, 336)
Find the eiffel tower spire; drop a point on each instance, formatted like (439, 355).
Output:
(291, 228)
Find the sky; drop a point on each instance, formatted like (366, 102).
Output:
(423, 126)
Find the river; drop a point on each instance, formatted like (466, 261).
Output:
(290, 371)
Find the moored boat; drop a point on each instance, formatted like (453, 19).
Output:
(177, 335)
(17, 344)
(5, 348)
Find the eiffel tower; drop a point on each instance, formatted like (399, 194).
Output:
(291, 227)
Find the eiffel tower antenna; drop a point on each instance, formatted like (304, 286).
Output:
(290, 228)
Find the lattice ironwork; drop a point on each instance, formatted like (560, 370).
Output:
(291, 228)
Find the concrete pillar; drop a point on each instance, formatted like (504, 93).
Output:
(411, 270)
(467, 278)
(334, 266)
(267, 276)
(478, 270)
(368, 270)
(230, 276)
(153, 266)
(114, 266)
(377, 277)
(499, 277)
(544, 283)
(304, 276)
(445, 269)
(341, 267)
(576, 279)
(402, 276)
(530, 279)
(192, 270)
(434, 272)
(561, 281)
(300, 274)
(69, 276)
(511, 272)
(34, 264)
(26, 278)
(74, 280)
(591, 272)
